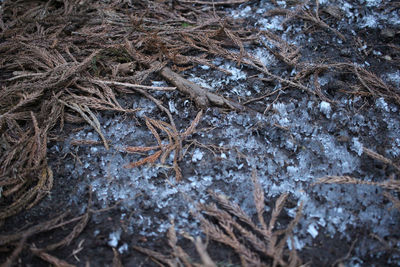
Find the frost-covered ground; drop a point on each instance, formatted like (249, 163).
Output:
(298, 140)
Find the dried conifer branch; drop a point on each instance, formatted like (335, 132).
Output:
(157, 88)
(223, 232)
(78, 228)
(136, 149)
(16, 252)
(47, 177)
(369, 83)
(234, 209)
(25, 98)
(32, 196)
(279, 204)
(192, 127)
(374, 84)
(388, 184)
(171, 234)
(149, 124)
(394, 200)
(157, 102)
(274, 246)
(175, 140)
(158, 256)
(109, 95)
(90, 118)
(253, 239)
(48, 226)
(50, 258)
(317, 87)
(201, 248)
(177, 251)
(247, 256)
(178, 256)
(116, 259)
(286, 52)
(381, 158)
(257, 64)
(304, 13)
(223, 225)
(280, 247)
(202, 97)
(258, 195)
(150, 159)
(45, 226)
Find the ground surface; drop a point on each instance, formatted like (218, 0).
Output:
(288, 136)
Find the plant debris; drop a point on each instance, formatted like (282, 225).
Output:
(228, 224)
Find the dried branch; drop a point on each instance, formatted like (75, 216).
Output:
(50, 258)
(158, 88)
(89, 117)
(16, 252)
(199, 95)
(381, 158)
(388, 184)
(175, 140)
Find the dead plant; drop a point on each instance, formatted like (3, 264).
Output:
(22, 236)
(175, 140)
(290, 54)
(303, 12)
(225, 222)
(390, 184)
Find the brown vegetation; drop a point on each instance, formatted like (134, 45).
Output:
(226, 223)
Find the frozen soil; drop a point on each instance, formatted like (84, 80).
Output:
(293, 140)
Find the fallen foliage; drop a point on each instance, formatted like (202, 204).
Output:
(256, 244)
(175, 140)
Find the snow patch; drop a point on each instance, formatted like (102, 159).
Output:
(197, 155)
(312, 230)
(114, 238)
(325, 108)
